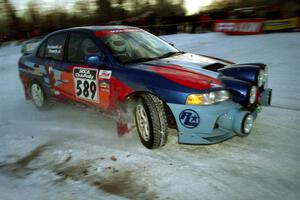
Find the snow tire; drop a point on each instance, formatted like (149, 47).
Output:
(155, 116)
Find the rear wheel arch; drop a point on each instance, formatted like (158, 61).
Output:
(47, 103)
(26, 82)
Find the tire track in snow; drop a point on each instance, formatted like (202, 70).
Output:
(285, 108)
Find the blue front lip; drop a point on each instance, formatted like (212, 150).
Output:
(217, 122)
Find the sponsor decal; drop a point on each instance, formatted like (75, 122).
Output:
(104, 90)
(124, 30)
(239, 26)
(36, 72)
(104, 84)
(115, 31)
(105, 74)
(189, 118)
(55, 49)
(50, 74)
(86, 83)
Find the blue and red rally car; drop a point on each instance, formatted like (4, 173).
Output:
(122, 69)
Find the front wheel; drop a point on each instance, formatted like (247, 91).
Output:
(151, 121)
(39, 97)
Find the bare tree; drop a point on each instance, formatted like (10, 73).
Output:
(10, 13)
(104, 9)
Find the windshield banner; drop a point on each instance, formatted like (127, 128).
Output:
(116, 31)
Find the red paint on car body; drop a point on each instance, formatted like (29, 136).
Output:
(186, 77)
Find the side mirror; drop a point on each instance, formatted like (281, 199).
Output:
(27, 49)
(29, 45)
(94, 60)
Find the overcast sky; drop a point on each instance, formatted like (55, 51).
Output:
(192, 6)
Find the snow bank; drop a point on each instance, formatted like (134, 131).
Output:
(69, 153)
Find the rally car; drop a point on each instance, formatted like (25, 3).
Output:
(207, 99)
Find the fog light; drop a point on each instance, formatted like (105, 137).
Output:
(260, 78)
(252, 94)
(248, 124)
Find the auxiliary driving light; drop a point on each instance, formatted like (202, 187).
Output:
(261, 78)
(247, 124)
(252, 94)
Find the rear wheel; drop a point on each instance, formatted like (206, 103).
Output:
(39, 97)
(151, 121)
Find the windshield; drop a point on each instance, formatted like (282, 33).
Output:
(135, 45)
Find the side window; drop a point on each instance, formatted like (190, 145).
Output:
(55, 46)
(41, 51)
(80, 46)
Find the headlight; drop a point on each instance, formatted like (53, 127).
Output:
(208, 98)
(252, 94)
(261, 78)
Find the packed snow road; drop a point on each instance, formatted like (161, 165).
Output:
(70, 153)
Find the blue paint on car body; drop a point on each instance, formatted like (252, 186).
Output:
(217, 122)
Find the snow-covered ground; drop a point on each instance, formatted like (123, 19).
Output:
(68, 153)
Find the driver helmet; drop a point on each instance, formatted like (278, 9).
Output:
(88, 47)
(117, 44)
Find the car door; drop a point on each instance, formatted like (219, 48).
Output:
(49, 60)
(85, 83)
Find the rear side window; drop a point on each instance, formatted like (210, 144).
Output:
(80, 46)
(55, 47)
(41, 51)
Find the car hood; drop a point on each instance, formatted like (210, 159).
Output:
(187, 70)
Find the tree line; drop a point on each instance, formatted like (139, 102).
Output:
(35, 19)
(156, 16)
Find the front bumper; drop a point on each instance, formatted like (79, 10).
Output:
(209, 124)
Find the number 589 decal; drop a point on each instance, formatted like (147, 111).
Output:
(86, 83)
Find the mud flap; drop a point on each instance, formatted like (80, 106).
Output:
(122, 128)
(266, 97)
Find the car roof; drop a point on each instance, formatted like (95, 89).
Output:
(94, 28)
